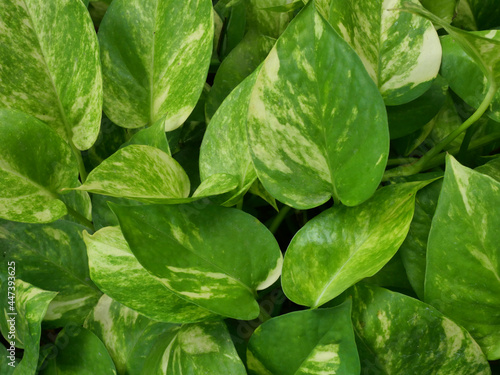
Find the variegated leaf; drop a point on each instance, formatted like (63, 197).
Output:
(35, 164)
(49, 66)
(462, 277)
(203, 348)
(128, 335)
(7, 363)
(263, 21)
(203, 253)
(151, 72)
(30, 306)
(466, 77)
(343, 245)
(238, 64)
(78, 201)
(397, 334)
(317, 124)
(444, 9)
(400, 51)
(153, 136)
(317, 342)
(52, 257)
(119, 274)
(77, 351)
(139, 172)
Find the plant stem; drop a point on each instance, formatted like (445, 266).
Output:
(279, 218)
(81, 219)
(239, 205)
(422, 163)
(400, 161)
(81, 165)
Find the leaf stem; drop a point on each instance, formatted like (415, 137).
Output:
(81, 165)
(423, 162)
(279, 218)
(80, 218)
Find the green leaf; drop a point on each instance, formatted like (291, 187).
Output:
(492, 169)
(400, 51)
(263, 21)
(119, 274)
(477, 14)
(153, 136)
(143, 173)
(102, 216)
(466, 77)
(397, 334)
(203, 253)
(30, 306)
(343, 245)
(203, 348)
(408, 118)
(52, 257)
(78, 351)
(462, 278)
(35, 164)
(314, 130)
(7, 363)
(240, 63)
(80, 202)
(50, 66)
(414, 248)
(128, 335)
(444, 9)
(155, 57)
(305, 342)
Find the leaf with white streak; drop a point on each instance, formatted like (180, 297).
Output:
(149, 71)
(119, 274)
(77, 351)
(203, 348)
(204, 254)
(139, 172)
(343, 245)
(317, 342)
(53, 257)
(400, 51)
(397, 334)
(462, 277)
(49, 66)
(35, 164)
(317, 124)
(30, 306)
(128, 335)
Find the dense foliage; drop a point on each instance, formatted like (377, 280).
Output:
(270, 187)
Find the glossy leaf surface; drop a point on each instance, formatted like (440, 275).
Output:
(315, 116)
(149, 71)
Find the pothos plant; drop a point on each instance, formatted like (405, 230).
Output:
(249, 186)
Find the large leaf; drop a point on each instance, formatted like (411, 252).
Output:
(203, 253)
(343, 245)
(397, 334)
(203, 348)
(119, 274)
(400, 51)
(53, 257)
(465, 75)
(78, 352)
(30, 306)
(151, 72)
(317, 124)
(128, 335)
(305, 342)
(462, 278)
(35, 164)
(139, 172)
(49, 59)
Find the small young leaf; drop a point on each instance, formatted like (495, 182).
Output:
(462, 277)
(35, 164)
(203, 253)
(400, 51)
(305, 342)
(50, 66)
(393, 331)
(119, 274)
(203, 348)
(128, 335)
(317, 125)
(155, 56)
(153, 136)
(143, 173)
(343, 245)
